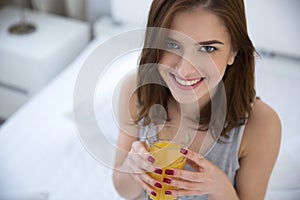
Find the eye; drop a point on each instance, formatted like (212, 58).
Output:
(207, 49)
(171, 45)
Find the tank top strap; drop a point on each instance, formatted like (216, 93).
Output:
(239, 136)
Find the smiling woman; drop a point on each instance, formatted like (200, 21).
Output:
(204, 57)
(203, 60)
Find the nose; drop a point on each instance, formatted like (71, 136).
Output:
(185, 68)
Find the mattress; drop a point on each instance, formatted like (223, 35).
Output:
(41, 154)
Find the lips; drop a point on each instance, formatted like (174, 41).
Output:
(187, 83)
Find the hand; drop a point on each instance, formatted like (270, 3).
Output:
(140, 161)
(207, 179)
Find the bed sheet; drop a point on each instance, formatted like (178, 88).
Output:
(41, 154)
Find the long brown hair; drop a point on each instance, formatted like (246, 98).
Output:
(238, 79)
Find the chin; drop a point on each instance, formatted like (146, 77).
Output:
(186, 97)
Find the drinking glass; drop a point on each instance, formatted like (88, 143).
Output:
(164, 143)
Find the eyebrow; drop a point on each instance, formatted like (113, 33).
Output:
(208, 42)
(171, 39)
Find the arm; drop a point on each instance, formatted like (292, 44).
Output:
(124, 182)
(132, 160)
(258, 152)
(128, 133)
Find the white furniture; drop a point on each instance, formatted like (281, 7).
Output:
(130, 11)
(29, 62)
(123, 18)
(106, 27)
(41, 154)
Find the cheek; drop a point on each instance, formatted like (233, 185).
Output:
(214, 69)
(168, 59)
(220, 65)
(209, 66)
(221, 61)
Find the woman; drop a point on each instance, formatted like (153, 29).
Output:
(239, 164)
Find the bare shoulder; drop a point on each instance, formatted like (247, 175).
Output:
(128, 132)
(263, 116)
(128, 97)
(262, 130)
(258, 151)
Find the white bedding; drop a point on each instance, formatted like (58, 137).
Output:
(41, 155)
(40, 151)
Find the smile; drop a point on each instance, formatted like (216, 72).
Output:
(187, 83)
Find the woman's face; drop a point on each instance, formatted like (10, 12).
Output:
(197, 52)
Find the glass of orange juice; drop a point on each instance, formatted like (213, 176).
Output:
(164, 143)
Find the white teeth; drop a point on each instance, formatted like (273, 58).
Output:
(187, 83)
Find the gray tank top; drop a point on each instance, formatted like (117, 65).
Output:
(224, 155)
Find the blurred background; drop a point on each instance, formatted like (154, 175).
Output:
(87, 10)
(43, 44)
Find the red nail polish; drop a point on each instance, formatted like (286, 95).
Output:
(158, 185)
(169, 172)
(168, 192)
(151, 159)
(158, 171)
(153, 193)
(167, 180)
(183, 151)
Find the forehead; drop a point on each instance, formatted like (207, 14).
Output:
(200, 25)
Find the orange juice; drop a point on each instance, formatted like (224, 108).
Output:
(167, 155)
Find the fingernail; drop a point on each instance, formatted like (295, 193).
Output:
(169, 172)
(168, 192)
(151, 159)
(158, 171)
(158, 185)
(167, 180)
(183, 151)
(153, 193)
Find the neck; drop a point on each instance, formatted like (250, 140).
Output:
(190, 113)
(193, 109)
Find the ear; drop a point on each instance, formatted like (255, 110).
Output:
(231, 57)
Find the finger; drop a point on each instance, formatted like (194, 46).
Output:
(184, 193)
(139, 165)
(151, 181)
(139, 148)
(183, 184)
(186, 175)
(196, 158)
(141, 159)
(145, 185)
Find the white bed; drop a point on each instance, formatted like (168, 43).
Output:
(41, 156)
(40, 151)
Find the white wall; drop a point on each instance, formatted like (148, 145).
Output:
(274, 25)
(97, 8)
